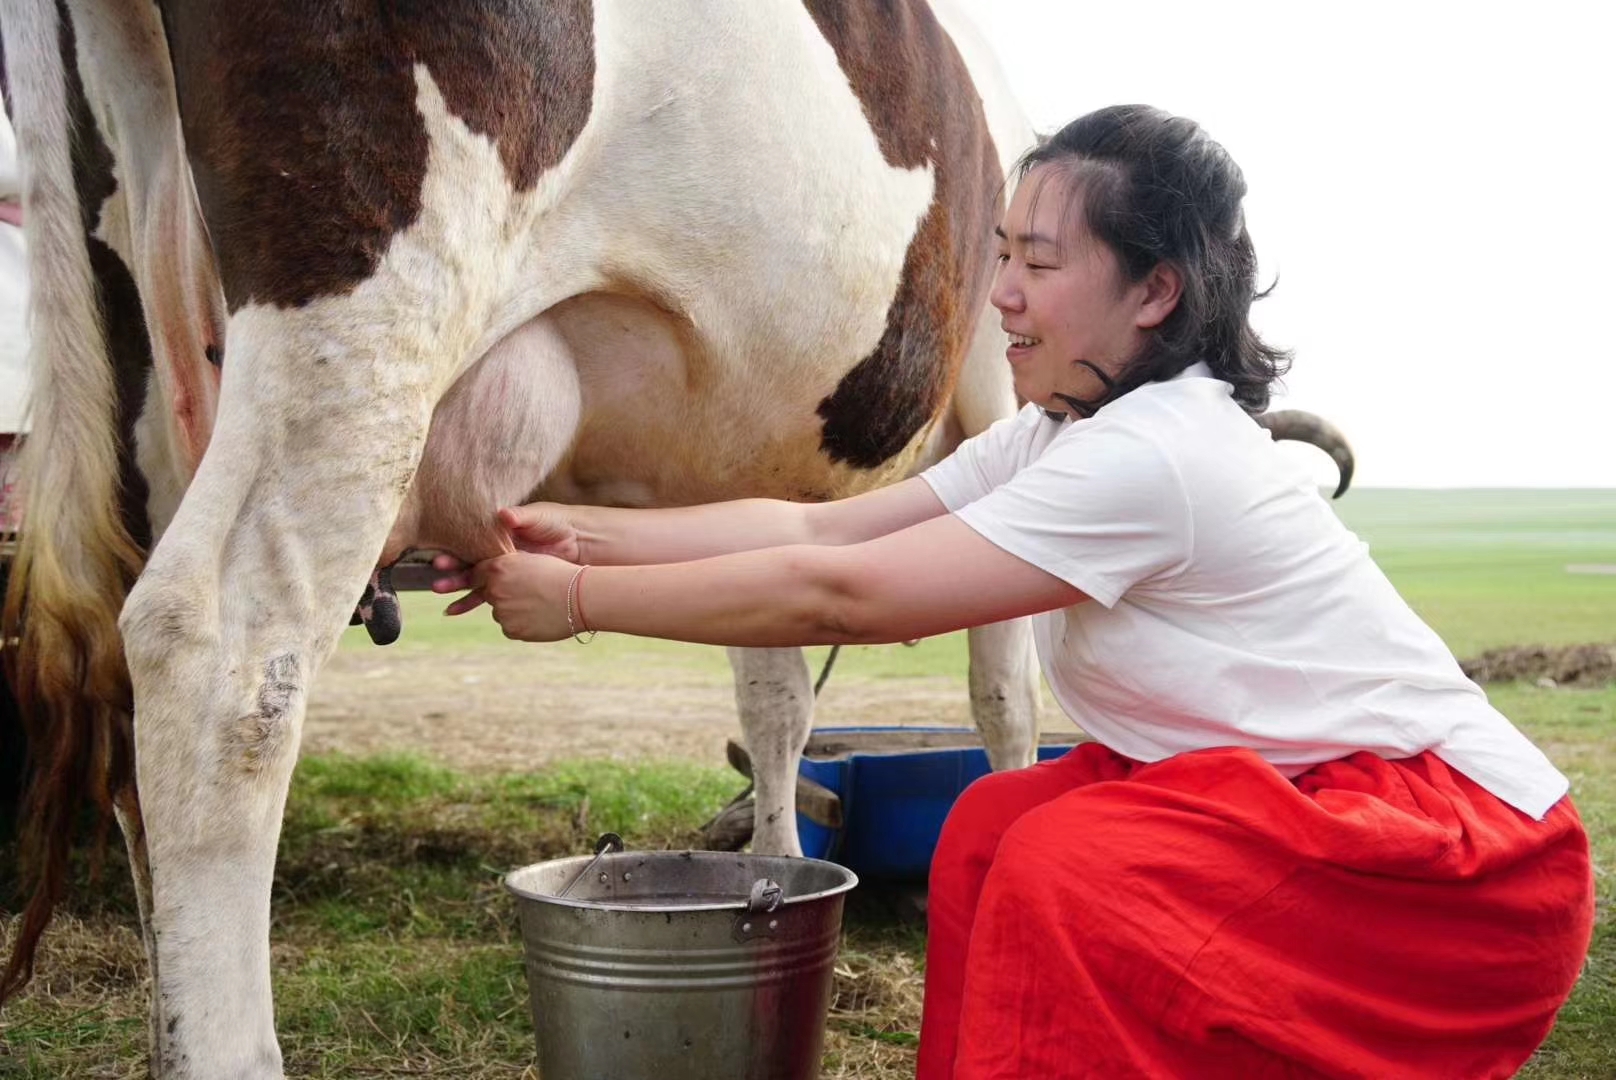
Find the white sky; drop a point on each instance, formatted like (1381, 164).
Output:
(1432, 182)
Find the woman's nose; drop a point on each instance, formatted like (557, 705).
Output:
(1006, 294)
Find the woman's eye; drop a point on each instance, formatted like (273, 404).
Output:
(1002, 258)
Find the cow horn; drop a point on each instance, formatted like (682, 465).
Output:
(1305, 427)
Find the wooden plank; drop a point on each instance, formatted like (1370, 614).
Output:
(833, 744)
(731, 830)
(816, 802)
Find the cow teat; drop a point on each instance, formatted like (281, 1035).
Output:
(378, 608)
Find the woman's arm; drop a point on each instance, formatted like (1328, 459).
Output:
(614, 536)
(929, 578)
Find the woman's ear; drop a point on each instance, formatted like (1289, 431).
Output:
(1162, 288)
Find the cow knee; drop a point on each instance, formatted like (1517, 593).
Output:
(183, 676)
(162, 620)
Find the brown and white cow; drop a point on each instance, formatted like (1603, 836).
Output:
(317, 284)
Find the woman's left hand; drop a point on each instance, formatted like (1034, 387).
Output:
(528, 594)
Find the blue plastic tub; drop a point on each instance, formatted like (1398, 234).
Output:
(893, 803)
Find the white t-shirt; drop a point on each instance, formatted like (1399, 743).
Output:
(1230, 606)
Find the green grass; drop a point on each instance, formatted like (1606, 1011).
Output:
(1488, 568)
(395, 945)
(642, 799)
(1577, 729)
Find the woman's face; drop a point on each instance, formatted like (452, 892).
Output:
(1062, 297)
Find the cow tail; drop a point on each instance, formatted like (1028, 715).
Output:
(75, 560)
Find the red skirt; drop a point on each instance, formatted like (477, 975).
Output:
(1205, 917)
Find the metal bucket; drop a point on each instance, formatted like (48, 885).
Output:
(680, 965)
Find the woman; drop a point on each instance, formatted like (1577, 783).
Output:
(1301, 842)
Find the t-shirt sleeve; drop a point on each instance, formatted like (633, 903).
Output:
(980, 463)
(1104, 509)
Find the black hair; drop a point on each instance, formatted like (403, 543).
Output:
(1155, 188)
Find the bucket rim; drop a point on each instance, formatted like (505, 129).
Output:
(850, 881)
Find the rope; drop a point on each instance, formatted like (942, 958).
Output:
(824, 672)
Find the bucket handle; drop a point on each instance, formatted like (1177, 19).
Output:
(608, 842)
(766, 897)
(763, 901)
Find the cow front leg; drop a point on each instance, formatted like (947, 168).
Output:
(1004, 691)
(241, 603)
(775, 697)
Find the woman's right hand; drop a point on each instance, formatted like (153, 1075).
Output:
(542, 529)
(537, 528)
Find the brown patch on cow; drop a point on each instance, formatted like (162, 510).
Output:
(301, 125)
(924, 109)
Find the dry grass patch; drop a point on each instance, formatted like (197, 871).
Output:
(875, 1008)
(86, 1005)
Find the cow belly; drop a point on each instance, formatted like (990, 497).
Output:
(671, 419)
(610, 400)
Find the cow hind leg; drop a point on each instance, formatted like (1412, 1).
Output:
(239, 606)
(775, 696)
(1004, 691)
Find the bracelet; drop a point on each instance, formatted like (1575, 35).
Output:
(575, 602)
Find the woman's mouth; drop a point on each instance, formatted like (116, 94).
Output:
(1020, 345)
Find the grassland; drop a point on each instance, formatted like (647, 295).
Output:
(395, 952)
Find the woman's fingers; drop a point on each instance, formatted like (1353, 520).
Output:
(531, 524)
(537, 528)
(448, 583)
(521, 517)
(470, 602)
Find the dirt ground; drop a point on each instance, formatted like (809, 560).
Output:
(492, 709)
(1567, 665)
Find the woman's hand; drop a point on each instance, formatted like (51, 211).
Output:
(542, 529)
(528, 594)
(537, 528)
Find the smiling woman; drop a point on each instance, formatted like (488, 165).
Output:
(1131, 264)
(1074, 320)
(1293, 796)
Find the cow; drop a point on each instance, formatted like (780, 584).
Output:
(317, 284)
